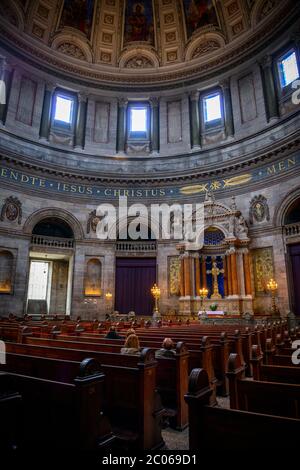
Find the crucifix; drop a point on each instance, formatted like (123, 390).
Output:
(215, 271)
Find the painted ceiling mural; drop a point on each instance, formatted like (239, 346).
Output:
(139, 24)
(160, 32)
(78, 14)
(199, 13)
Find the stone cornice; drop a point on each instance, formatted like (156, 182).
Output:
(264, 230)
(166, 77)
(12, 233)
(285, 148)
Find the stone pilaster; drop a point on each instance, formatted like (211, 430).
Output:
(228, 274)
(81, 121)
(233, 269)
(240, 273)
(154, 103)
(247, 272)
(203, 271)
(195, 120)
(229, 124)
(197, 275)
(121, 130)
(187, 276)
(271, 101)
(6, 81)
(46, 111)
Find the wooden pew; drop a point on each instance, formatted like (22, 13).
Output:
(131, 401)
(58, 414)
(204, 351)
(271, 397)
(284, 373)
(175, 370)
(200, 356)
(232, 430)
(11, 414)
(172, 385)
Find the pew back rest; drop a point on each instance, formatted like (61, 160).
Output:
(272, 398)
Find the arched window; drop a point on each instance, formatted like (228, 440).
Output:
(6, 272)
(213, 236)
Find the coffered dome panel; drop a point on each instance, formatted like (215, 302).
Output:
(149, 35)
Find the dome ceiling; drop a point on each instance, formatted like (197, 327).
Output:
(136, 37)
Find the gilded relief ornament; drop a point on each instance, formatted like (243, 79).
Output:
(92, 222)
(259, 210)
(12, 210)
(174, 275)
(263, 268)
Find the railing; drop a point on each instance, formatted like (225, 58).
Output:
(292, 229)
(136, 246)
(52, 242)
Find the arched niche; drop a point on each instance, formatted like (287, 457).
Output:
(73, 45)
(93, 278)
(285, 207)
(292, 215)
(57, 213)
(203, 45)
(6, 272)
(53, 227)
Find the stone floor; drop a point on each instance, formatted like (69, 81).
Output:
(176, 440)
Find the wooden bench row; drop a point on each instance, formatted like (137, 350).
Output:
(234, 429)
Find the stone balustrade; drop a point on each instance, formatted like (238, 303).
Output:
(52, 242)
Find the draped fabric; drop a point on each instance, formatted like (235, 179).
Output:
(134, 279)
(295, 261)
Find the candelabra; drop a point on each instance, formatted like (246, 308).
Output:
(108, 297)
(155, 291)
(203, 293)
(272, 287)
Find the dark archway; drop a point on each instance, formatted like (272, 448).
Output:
(53, 227)
(293, 214)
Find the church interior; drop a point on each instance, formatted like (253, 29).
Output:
(149, 225)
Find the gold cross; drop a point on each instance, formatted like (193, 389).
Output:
(215, 271)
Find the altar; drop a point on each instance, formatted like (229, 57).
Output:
(216, 313)
(217, 272)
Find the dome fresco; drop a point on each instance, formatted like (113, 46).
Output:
(151, 36)
(193, 91)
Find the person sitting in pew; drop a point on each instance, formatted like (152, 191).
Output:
(129, 332)
(112, 334)
(167, 349)
(132, 345)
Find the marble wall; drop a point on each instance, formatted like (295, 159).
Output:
(267, 234)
